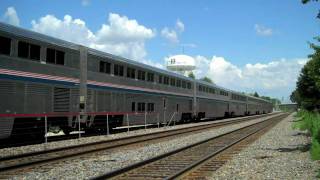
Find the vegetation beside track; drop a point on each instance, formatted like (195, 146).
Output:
(307, 96)
(310, 122)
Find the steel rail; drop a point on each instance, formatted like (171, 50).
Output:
(108, 144)
(138, 165)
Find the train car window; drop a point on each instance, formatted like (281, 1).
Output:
(117, 70)
(172, 82)
(27, 50)
(150, 77)
(105, 67)
(131, 73)
(128, 72)
(121, 68)
(51, 55)
(178, 83)
(5, 45)
(34, 52)
(160, 79)
(166, 80)
(184, 84)
(141, 75)
(59, 57)
(141, 106)
(133, 106)
(150, 107)
(23, 49)
(189, 85)
(56, 57)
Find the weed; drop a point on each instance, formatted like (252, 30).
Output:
(310, 121)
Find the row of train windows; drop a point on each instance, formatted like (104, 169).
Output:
(31, 51)
(207, 89)
(211, 90)
(105, 67)
(238, 97)
(118, 70)
(141, 107)
(174, 82)
(224, 93)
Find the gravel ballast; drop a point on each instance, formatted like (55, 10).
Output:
(57, 144)
(281, 153)
(91, 166)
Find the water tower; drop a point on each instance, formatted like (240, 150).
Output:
(182, 64)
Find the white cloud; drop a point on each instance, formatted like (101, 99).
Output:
(276, 78)
(85, 2)
(190, 45)
(262, 30)
(11, 16)
(74, 30)
(170, 35)
(179, 25)
(119, 36)
(152, 63)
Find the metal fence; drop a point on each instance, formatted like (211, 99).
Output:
(130, 120)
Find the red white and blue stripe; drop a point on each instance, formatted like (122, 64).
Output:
(51, 79)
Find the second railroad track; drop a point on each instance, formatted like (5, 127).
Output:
(178, 163)
(10, 165)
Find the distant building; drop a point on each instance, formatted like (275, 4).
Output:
(288, 107)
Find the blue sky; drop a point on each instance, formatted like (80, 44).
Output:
(233, 42)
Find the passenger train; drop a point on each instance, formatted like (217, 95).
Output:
(45, 75)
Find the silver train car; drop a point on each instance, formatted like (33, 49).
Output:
(42, 75)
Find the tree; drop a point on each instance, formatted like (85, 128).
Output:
(307, 1)
(256, 94)
(206, 79)
(307, 93)
(266, 98)
(191, 75)
(295, 97)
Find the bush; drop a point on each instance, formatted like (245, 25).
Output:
(315, 150)
(310, 122)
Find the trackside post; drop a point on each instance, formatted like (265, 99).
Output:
(107, 124)
(45, 129)
(128, 124)
(79, 126)
(145, 120)
(158, 120)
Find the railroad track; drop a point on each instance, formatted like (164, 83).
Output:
(12, 164)
(191, 162)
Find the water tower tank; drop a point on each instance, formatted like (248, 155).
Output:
(181, 63)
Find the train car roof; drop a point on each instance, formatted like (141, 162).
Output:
(21, 32)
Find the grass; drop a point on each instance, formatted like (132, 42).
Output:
(310, 122)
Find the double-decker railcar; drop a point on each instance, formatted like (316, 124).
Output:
(44, 75)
